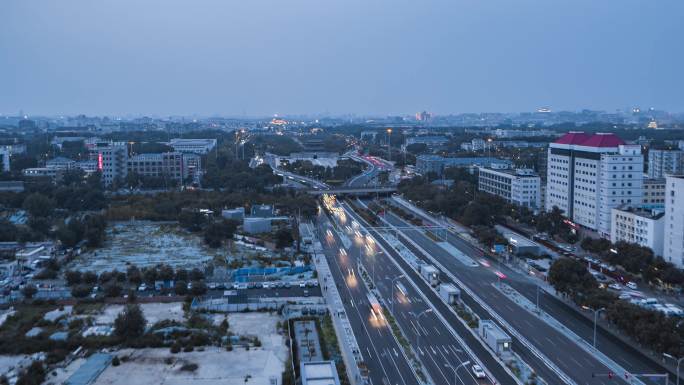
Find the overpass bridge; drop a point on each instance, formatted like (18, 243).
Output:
(355, 191)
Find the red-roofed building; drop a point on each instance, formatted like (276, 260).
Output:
(588, 175)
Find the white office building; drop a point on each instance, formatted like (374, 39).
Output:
(673, 244)
(589, 175)
(196, 146)
(112, 161)
(640, 226)
(521, 187)
(665, 162)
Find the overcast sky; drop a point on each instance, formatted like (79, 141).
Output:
(262, 57)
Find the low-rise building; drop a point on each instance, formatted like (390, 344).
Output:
(437, 164)
(637, 225)
(253, 225)
(41, 172)
(61, 163)
(520, 187)
(11, 186)
(196, 146)
(262, 211)
(236, 214)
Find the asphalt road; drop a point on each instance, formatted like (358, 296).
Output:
(438, 349)
(564, 353)
(621, 352)
(382, 354)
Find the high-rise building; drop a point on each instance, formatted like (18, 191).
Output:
(654, 193)
(4, 161)
(588, 175)
(673, 245)
(665, 162)
(112, 161)
(521, 187)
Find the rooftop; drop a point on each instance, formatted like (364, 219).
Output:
(601, 139)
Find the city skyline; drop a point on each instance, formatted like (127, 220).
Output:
(261, 59)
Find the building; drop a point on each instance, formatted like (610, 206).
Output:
(589, 175)
(13, 149)
(236, 214)
(262, 211)
(164, 165)
(432, 142)
(505, 133)
(88, 166)
(257, 225)
(4, 161)
(474, 145)
(61, 163)
(654, 194)
(521, 187)
(495, 338)
(665, 162)
(112, 161)
(673, 244)
(41, 172)
(318, 373)
(435, 163)
(195, 146)
(636, 225)
(11, 186)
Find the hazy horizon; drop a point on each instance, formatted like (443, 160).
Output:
(215, 58)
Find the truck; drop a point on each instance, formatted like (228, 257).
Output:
(430, 274)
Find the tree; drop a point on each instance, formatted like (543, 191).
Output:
(283, 238)
(130, 323)
(73, 277)
(89, 277)
(134, 275)
(180, 288)
(38, 205)
(81, 291)
(198, 288)
(112, 289)
(218, 231)
(33, 375)
(29, 291)
(571, 277)
(8, 231)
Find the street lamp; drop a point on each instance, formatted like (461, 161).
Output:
(389, 144)
(393, 299)
(418, 322)
(596, 313)
(679, 361)
(462, 364)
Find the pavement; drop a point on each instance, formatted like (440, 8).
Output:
(566, 354)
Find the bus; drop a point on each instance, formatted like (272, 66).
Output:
(375, 307)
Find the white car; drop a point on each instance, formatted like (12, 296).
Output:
(632, 285)
(615, 286)
(478, 372)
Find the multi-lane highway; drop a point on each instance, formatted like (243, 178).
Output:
(383, 356)
(566, 354)
(440, 340)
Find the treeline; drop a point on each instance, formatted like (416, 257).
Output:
(636, 260)
(345, 169)
(650, 328)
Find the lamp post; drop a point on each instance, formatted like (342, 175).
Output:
(393, 299)
(389, 144)
(679, 361)
(462, 364)
(418, 320)
(596, 313)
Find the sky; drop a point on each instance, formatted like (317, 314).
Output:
(363, 57)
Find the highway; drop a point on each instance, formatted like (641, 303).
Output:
(624, 354)
(382, 354)
(557, 347)
(438, 349)
(368, 174)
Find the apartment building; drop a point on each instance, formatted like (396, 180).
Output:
(673, 244)
(590, 174)
(521, 187)
(665, 162)
(640, 226)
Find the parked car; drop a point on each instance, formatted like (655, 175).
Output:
(615, 286)
(632, 285)
(478, 372)
(302, 284)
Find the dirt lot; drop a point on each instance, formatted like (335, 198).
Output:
(144, 243)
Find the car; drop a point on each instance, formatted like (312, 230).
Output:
(478, 372)
(258, 285)
(302, 284)
(266, 285)
(625, 296)
(615, 286)
(287, 285)
(142, 287)
(632, 285)
(306, 293)
(212, 286)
